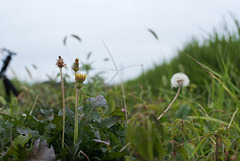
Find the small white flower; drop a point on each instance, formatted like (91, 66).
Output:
(179, 79)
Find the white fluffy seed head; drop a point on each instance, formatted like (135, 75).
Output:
(180, 79)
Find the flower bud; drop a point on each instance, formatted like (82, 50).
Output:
(75, 66)
(80, 78)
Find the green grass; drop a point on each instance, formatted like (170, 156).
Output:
(220, 52)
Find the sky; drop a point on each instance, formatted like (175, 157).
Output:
(35, 30)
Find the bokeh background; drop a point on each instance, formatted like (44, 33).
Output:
(35, 30)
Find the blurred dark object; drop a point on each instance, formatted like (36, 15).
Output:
(7, 83)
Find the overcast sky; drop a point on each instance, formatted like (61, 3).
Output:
(35, 30)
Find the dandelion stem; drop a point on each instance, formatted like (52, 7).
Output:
(170, 103)
(76, 117)
(62, 85)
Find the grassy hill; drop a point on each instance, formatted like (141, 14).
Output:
(219, 52)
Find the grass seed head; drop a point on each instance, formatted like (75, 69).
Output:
(60, 62)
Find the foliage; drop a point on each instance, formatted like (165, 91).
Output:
(202, 124)
(100, 136)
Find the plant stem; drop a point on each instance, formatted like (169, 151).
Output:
(76, 117)
(232, 118)
(124, 99)
(63, 99)
(88, 115)
(125, 147)
(121, 82)
(30, 113)
(81, 152)
(170, 103)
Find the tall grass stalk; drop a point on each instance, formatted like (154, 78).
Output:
(208, 70)
(121, 82)
(34, 104)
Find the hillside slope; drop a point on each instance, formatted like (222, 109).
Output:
(220, 52)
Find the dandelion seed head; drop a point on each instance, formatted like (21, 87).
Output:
(180, 79)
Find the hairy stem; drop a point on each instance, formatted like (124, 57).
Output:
(63, 99)
(76, 117)
(170, 103)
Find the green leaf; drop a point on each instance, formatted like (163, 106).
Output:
(6, 117)
(73, 35)
(183, 111)
(34, 66)
(77, 146)
(76, 37)
(179, 157)
(199, 146)
(89, 54)
(12, 151)
(226, 142)
(65, 40)
(110, 121)
(118, 112)
(95, 116)
(34, 124)
(159, 126)
(107, 142)
(57, 121)
(189, 147)
(69, 113)
(21, 140)
(106, 59)
(169, 148)
(183, 152)
(207, 118)
(115, 142)
(2, 101)
(24, 131)
(153, 33)
(99, 101)
(96, 132)
(114, 155)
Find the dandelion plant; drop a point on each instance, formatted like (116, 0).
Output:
(178, 80)
(80, 78)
